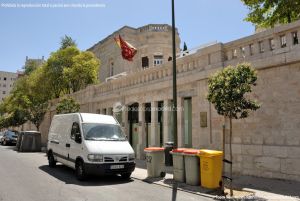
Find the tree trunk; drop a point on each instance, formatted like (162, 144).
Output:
(223, 169)
(230, 150)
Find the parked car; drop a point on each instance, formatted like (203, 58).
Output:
(90, 144)
(1, 136)
(9, 137)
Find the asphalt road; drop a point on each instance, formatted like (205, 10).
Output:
(27, 177)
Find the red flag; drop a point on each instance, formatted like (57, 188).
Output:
(128, 51)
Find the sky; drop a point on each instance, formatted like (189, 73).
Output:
(36, 32)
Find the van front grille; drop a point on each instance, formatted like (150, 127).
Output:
(108, 159)
(123, 159)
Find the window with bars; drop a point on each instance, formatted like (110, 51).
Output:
(283, 41)
(251, 49)
(261, 46)
(272, 43)
(234, 53)
(158, 60)
(295, 38)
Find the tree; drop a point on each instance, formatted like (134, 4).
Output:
(67, 41)
(267, 13)
(28, 100)
(83, 72)
(227, 90)
(67, 105)
(30, 66)
(185, 47)
(57, 62)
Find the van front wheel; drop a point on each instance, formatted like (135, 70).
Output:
(126, 175)
(80, 171)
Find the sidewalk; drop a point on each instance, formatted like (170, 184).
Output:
(245, 187)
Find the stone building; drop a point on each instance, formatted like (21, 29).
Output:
(153, 42)
(7, 80)
(267, 144)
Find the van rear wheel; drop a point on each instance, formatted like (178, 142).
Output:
(80, 171)
(51, 160)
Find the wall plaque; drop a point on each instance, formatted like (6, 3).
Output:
(203, 119)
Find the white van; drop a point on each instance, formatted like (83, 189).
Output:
(90, 144)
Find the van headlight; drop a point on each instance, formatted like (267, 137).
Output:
(131, 157)
(95, 157)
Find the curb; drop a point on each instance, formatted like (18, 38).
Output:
(180, 189)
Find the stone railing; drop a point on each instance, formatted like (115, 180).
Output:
(155, 27)
(278, 40)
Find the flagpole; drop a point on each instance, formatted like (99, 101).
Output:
(174, 77)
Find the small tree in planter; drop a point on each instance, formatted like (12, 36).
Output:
(226, 90)
(67, 105)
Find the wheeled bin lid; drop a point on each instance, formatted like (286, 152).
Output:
(178, 150)
(191, 151)
(209, 153)
(154, 149)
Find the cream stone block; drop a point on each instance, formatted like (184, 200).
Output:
(254, 150)
(267, 163)
(290, 166)
(275, 151)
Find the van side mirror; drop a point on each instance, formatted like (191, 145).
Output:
(78, 138)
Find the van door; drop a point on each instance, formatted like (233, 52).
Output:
(59, 128)
(74, 148)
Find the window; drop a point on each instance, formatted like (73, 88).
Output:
(3, 92)
(111, 69)
(4, 78)
(251, 49)
(283, 41)
(261, 46)
(145, 62)
(242, 49)
(272, 44)
(234, 54)
(158, 60)
(170, 59)
(75, 129)
(295, 38)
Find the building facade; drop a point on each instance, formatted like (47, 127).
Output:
(153, 43)
(7, 80)
(267, 144)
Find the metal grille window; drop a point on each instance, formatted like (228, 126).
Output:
(158, 60)
(272, 44)
(283, 41)
(234, 53)
(261, 46)
(251, 49)
(242, 49)
(295, 38)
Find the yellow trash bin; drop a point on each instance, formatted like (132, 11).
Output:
(210, 168)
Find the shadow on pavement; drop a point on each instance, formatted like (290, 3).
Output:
(276, 186)
(67, 175)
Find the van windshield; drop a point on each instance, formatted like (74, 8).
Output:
(97, 131)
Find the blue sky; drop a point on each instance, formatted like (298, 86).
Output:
(36, 32)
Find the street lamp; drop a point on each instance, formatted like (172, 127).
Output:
(174, 108)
